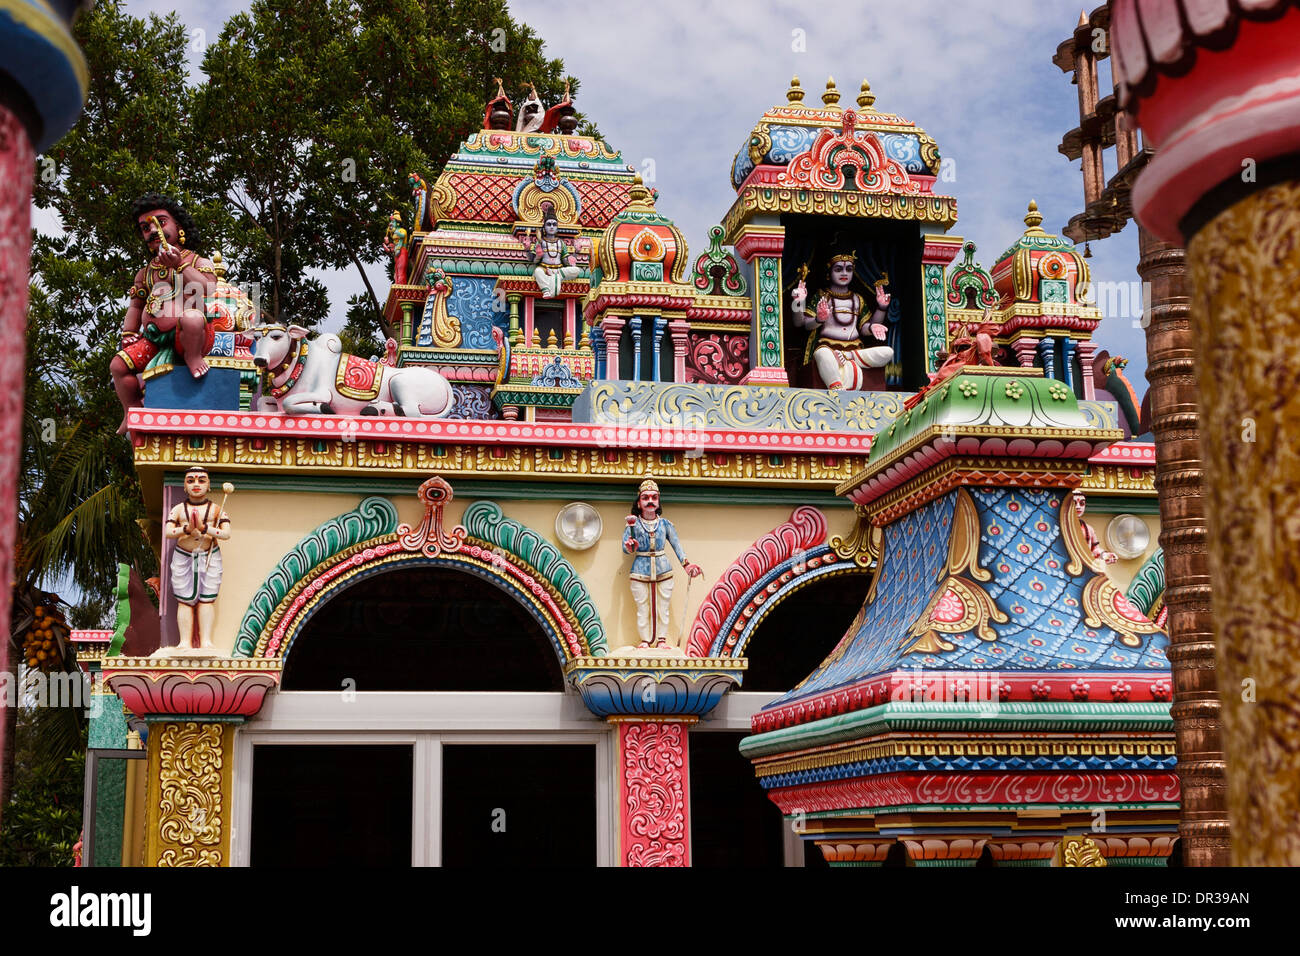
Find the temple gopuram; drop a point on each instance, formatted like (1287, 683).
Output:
(814, 541)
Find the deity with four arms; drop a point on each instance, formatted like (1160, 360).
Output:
(848, 331)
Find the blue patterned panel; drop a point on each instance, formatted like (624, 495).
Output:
(471, 301)
(906, 148)
(1021, 546)
(789, 141)
(916, 547)
(741, 167)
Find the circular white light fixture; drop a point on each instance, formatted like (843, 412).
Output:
(578, 525)
(1128, 536)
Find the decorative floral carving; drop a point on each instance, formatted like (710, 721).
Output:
(430, 538)
(717, 359)
(654, 824)
(191, 760)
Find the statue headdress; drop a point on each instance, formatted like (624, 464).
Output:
(648, 485)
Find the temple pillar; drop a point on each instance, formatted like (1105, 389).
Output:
(761, 246)
(1087, 350)
(570, 326)
(679, 331)
(1245, 266)
(1180, 475)
(1023, 851)
(17, 163)
(512, 300)
(188, 812)
(613, 332)
(1067, 361)
(1047, 355)
(192, 706)
(1026, 349)
(636, 324)
(654, 790)
(41, 94)
(1219, 109)
(856, 851)
(406, 334)
(529, 318)
(597, 344)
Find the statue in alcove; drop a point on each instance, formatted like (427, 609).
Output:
(848, 332)
(553, 258)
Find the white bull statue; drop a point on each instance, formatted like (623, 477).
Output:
(318, 377)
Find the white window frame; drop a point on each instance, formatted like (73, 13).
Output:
(425, 721)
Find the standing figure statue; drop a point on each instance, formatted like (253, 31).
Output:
(397, 245)
(197, 524)
(647, 536)
(168, 302)
(848, 331)
(554, 259)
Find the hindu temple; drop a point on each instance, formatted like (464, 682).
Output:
(812, 540)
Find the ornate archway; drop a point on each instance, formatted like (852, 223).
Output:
(368, 540)
(782, 562)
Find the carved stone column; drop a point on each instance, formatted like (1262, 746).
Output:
(16, 166)
(193, 706)
(42, 84)
(1216, 95)
(1245, 266)
(654, 791)
(187, 821)
(612, 326)
(651, 702)
(1180, 474)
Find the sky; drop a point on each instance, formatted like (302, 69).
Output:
(682, 82)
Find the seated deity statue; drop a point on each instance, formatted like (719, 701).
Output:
(553, 258)
(848, 331)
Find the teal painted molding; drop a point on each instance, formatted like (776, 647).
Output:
(1149, 583)
(1117, 504)
(484, 520)
(1085, 718)
(123, 617)
(372, 518)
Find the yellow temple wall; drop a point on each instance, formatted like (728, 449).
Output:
(266, 524)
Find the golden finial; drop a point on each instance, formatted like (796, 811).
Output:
(639, 194)
(1033, 219)
(501, 90)
(551, 341)
(218, 266)
(795, 93)
(1083, 19)
(866, 97)
(832, 96)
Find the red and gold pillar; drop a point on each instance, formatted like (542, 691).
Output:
(654, 824)
(1218, 97)
(42, 86)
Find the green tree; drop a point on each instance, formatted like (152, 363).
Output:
(79, 502)
(315, 111)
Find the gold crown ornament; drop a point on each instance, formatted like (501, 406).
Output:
(648, 485)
